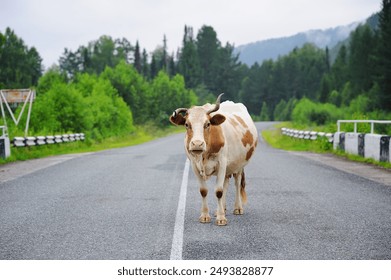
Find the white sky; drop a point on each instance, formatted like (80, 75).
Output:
(52, 25)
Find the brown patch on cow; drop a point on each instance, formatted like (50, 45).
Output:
(215, 139)
(219, 193)
(247, 139)
(204, 192)
(249, 153)
(241, 121)
(189, 133)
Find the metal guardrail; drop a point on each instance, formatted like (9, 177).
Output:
(307, 135)
(44, 140)
(372, 122)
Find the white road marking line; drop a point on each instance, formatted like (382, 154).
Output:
(177, 240)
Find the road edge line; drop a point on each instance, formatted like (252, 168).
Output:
(177, 240)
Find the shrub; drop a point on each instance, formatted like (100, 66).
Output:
(309, 113)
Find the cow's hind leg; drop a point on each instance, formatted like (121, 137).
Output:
(240, 194)
(224, 198)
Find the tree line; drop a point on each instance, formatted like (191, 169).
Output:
(304, 85)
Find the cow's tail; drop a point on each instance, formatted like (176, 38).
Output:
(242, 188)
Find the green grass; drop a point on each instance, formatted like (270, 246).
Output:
(276, 139)
(142, 135)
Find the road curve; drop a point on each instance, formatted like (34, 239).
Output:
(124, 203)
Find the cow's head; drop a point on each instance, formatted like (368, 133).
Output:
(200, 125)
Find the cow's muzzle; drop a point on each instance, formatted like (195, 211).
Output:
(197, 147)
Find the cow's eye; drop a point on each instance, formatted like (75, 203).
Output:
(187, 125)
(207, 125)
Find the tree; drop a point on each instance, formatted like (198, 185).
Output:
(164, 56)
(384, 56)
(144, 65)
(188, 63)
(279, 110)
(20, 66)
(207, 48)
(93, 59)
(264, 115)
(137, 59)
(361, 64)
(132, 87)
(339, 70)
(228, 73)
(154, 67)
(168, 94)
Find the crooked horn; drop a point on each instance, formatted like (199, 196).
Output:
(217, 106)
(179, 110)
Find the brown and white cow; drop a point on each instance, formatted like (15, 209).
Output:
(219, 141)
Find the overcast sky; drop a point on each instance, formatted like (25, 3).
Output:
(52, 25)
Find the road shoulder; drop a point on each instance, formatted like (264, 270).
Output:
(374, 173)
(13, 170)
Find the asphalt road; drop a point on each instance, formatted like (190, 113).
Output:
(123, 204)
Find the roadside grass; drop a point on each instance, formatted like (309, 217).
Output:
(276, 139)
(141, 135)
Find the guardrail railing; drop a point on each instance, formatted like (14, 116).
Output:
(44, 140)
(306, 134)
(355, 122)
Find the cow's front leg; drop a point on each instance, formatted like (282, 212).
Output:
(205, 217)
(219, 190)
(224, 198)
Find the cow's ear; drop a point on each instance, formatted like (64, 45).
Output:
(217, 119)
(177, 119)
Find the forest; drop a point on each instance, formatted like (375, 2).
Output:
(110, 86)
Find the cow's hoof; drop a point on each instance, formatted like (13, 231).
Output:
(221, 222)
(239, 211)
(204, 219)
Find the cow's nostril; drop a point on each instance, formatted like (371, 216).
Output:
(197, 144)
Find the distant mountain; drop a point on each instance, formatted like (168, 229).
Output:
(273, 48)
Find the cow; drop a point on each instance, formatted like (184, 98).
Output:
(220, 139)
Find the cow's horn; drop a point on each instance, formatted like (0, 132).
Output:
(179, 110)
(217, 107)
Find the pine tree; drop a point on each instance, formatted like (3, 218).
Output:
(362, 49)
(264, 115)
(154, 67)
(384, 56)
(207, 48)
(137, 58)
(339, 70)
(20, 66)
(164, 59)
(188, 63)
(145, 65)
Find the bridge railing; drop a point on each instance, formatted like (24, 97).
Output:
(355, 122)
